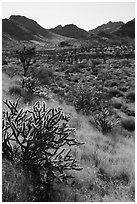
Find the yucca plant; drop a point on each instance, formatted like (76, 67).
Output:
(103, 121)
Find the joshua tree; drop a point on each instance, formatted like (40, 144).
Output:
(26, 56)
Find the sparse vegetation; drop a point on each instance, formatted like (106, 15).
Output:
(95, 85)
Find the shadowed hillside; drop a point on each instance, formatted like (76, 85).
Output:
(127, 30)
(22, 28)
(109, 27)
(71, 31)
(117, 29)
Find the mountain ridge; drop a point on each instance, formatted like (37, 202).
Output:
(70, 30)
(19, 28)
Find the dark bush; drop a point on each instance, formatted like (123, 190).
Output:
(44, 75)
(131, 96)
(115, 92)
(16, 90)
(113, 83)
(4, 62)
(124, 88)
(128, 110)
(128, 123)
(116, 103)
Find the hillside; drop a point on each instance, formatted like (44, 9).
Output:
(71, 31)
(18, 28)
(127, 30)
(109, 27)
(115, 29)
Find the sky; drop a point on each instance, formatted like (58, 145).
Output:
(86, 15)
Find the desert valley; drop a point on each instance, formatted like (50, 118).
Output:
(68, 121)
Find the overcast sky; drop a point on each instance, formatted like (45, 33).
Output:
(86, 15)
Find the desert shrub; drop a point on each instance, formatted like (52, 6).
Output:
(72, 68)
(15, 186)
(30, 84)
(128, 123)
(115, 92)
(125, 62)
(124, 88)
(131, 96)
(89, 99)
(44, 75)
(129, 111)
(4, 62)
(15, 90)
(40, 140)
(82, 65)
(28, 97)
(103, 122)
(95, 70)
(113, 83)
(116, 103)
(96, 62)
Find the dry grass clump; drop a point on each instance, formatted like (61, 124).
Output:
(15, 186)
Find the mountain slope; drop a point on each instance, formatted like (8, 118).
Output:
(127, 30)
(22, 28)
(15, 30)
(31, 25)
(71, 31)
(110, 27)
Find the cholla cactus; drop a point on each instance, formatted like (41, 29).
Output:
(41, 139)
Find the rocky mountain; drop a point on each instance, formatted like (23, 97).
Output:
(71, 31)
(127, 30)
(109, 28)
(112, 29)
(22, 28)
(18, 28)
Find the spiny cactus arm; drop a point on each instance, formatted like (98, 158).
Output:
(19, 115)
(12, 107)
(16, 134)
(54, 119)
(54, 130)
(59, 153)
